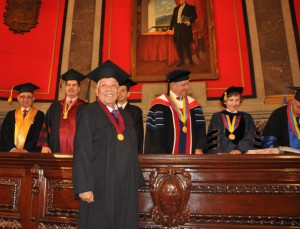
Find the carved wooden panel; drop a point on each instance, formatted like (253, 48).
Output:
(170, 192)
(228, 192)
(59, 193)
(9, 194)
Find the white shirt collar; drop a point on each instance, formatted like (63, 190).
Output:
(233, 112)
(73, 99)
(123, 105)
(111, 109)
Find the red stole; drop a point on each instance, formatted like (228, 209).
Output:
(67, 128)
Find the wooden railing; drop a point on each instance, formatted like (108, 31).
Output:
(197, 191)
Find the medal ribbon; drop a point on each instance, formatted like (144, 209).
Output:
(118, 127)
(292, 122)
(67, 107)
(231, 126)
(181, 115)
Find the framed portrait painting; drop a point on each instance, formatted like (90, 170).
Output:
(170, 34)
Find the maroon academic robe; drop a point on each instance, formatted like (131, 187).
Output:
(57, 132)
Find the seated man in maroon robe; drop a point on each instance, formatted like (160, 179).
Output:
(58, 131)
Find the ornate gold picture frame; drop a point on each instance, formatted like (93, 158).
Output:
(153, 49)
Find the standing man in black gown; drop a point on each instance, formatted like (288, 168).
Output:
(106, 171)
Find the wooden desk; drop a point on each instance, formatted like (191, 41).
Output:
(197, 191)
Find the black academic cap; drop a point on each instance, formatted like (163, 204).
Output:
(178, 75)
(297, 89)
(128, 83)
(230, 90)
(108, 69)
(72, 74)
(26, 87)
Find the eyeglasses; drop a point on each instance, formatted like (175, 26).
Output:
(26, 97)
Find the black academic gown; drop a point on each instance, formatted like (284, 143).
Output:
(276, 131)
(245, 134)
(161, 128)
(108, 167)
(137, 117)
(8, 131)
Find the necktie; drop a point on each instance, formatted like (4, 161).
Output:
(115, 114)
(179, 98)
(24, 113)
(69, 103)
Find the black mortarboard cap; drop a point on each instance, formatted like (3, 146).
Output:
(178, 75)
(128, 83)
(26, 87)
(297, 89)
(230, 90)
(108, 69)
(72, 74)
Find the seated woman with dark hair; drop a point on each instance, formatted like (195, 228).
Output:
(232, 131)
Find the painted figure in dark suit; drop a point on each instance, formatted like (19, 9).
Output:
(135, 112)
(183, 17)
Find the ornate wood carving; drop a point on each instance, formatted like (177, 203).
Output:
(51, 210)
(10, 223)
(57, 225)
(247, 189)
(21, 15)
(170, 192)
(249, 219)
(37, 175)
(14, 186)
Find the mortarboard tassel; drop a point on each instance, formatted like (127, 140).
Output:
(225, 96)
(284, 101)
(87, 96)
(10, 97)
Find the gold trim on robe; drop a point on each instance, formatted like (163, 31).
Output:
(22, 125)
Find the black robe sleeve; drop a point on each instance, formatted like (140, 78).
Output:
(158, 139)
(137, 116)
(198, 129)
(275, 132)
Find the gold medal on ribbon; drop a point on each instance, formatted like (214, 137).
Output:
(67, 107)
(120, 137)
(184, 129)
(231, 136)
